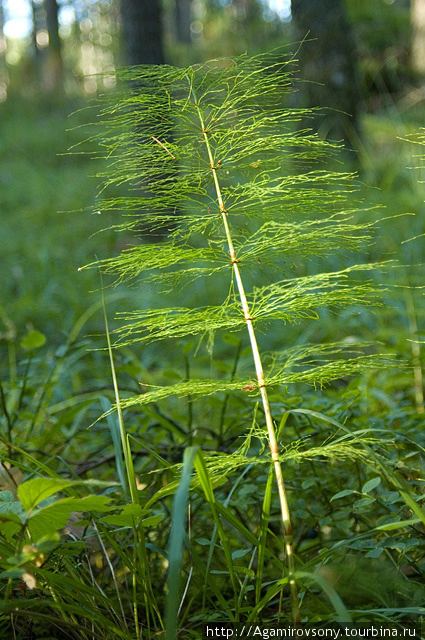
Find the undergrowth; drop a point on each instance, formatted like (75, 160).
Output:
(172, 518)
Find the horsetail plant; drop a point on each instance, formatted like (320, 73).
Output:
(210, 165)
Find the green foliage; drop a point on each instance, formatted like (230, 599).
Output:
(93, 558)
(382, 33)
(44, 192)
(208, 142)
(154, 140)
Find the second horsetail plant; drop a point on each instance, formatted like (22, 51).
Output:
(215, 174)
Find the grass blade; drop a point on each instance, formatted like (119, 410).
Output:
(176, 543)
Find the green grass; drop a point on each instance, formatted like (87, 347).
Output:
(45, 194)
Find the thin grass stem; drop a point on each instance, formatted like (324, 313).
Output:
(416, 354)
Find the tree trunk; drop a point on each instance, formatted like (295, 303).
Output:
(3, 67)
(417, 12)
(37, 24)
(54, 63)
(142, 31)
(183, 19)
(327, 64)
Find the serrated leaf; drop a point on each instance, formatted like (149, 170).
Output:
(49, 519)
(121, 520)
(32, 492)
(11, 509)
(152, 520)
(371, 484)
(6, 496)
(129, 516)
(10, 529)
(12, 514)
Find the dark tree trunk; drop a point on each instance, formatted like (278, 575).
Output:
(142, 31)
(183, 19)
(1, 22)
(327, 64)
(3, 67)
(2, 41)
(38, 23)
(51, 7)
(54, 70)
(142, 44)
(417, 12)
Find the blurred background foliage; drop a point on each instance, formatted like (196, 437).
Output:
(361, 65)
(361, 61)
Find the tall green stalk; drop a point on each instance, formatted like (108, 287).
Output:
(274, 449)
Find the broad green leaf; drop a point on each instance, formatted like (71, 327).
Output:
(121, 520)
(152, 520)
(33, 340)
(32, 492)
(371, 484)
(10, 508)
(310, 482)
(239, 553)
(10, 529)
(342, 494)
(12, 573)
(129, 516)
(53, 517)
(374, 553)
(6, 496)
(14, 513)
(363, 502)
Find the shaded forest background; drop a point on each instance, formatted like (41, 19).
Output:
(360, 48)
(361, 63)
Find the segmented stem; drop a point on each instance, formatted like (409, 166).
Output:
(286, 519)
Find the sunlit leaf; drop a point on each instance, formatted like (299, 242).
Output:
(33, 340)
